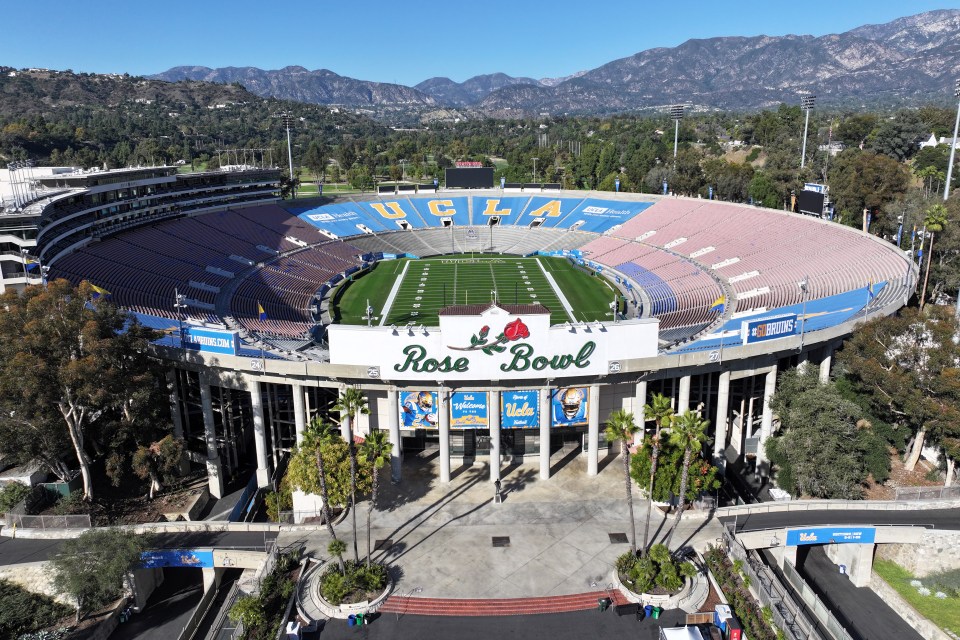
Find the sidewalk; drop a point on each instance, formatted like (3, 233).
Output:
(441, 537)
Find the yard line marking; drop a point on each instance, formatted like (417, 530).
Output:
(393, 295)
(556, 290)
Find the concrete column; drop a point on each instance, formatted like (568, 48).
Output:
(344, 422)
(789, 554)
(259, 432)
(825, 365)
(214, 470)
(299, 411)
(639, 401)
(211, 577)
(723, 409)
(444, 418)
(803, 359)
(766, 421)
(545, 420)
(736, 432)
(593, 431)
(708, 401)
(683, 403)
(175, 415)
(393, 424)
(493, 404)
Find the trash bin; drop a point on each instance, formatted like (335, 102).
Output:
(360, 619)
(351, 620)
(656, 612)
(603, 603)
(648, 610)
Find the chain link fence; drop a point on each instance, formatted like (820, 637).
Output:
(927, 493)
(23, 521)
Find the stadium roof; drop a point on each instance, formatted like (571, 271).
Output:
(477, 309)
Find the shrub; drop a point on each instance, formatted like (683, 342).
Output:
(657, 569)
(248, 610)
(355, 584)
(71, 504)
(22, 611)
(11, 494)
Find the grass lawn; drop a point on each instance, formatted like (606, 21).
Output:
(943, 613)
(430, 284)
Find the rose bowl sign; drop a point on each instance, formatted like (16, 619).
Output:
(494, 344)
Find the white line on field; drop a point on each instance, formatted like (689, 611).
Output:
(393, 294)
(556, 290)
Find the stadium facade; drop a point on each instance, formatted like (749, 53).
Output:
(720, 297)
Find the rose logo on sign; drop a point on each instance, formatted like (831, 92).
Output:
(481, 341)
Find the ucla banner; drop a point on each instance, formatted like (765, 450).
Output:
(418, 410)
(831, 535)
(211, 341)
(176, 558)
(569, 407)
(468, 410)
(520, 409)
(769, 328)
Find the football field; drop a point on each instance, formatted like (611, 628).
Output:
(403, 291)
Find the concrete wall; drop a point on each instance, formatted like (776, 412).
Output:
(934, 552)
(889, 595)
(36, 577)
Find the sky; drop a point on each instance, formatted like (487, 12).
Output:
(403, 42)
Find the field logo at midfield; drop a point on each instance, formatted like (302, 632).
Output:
(481, 341)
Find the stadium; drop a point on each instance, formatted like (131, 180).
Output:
(483, 324)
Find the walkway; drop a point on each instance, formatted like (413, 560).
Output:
(558, 537)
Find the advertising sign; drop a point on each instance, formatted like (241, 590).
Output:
(468, 410)
(418, 410)
(569, 407)
(769, 328)
(176, 558)
(831, 535)
(211, 341)
(519, 409)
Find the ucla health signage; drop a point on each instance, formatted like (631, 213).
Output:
(569, 407)
(769, 328)
(211, 341)
(468, 410)
(519, 409)
(176, 558)
(831, 535)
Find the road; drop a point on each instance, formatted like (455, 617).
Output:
(861, 611)
(933, 518)
(168, 609)
(19, 550)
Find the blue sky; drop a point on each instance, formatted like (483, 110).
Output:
(399, 42)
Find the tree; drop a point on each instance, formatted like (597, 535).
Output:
(375, 450)
(92, 567)
(659, 410)
(248, 611)
(336, 548)
(666, 485)
(688, 431)
(822, 447)
(159, 461)
(350, 404)
(621, 426)
(935, 218)
(860, 180)
(59, 346)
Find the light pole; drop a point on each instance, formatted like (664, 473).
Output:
(953, 147)
(806, 104)
(535, 169)
(23, 258)
(676, 114)
(179, 303)
(804, 289)
(287, 121)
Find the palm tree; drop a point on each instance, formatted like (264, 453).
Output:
(935, 218)
(621, 426)
(317, 433)
(659, 410)
(688, 431)
(350, 404)
(375, 449)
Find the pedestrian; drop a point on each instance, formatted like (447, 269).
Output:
(497, 498)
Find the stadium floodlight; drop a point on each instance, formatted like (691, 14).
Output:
(287, 120)
(180, 304)
(676, 114)
(953, 147)
(806, 103)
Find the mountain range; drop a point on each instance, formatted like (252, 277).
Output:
(909, 60)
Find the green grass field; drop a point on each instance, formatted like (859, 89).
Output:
(944, 613)
(430, 284)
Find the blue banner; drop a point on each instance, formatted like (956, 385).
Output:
(519, 409)
(769, 328)
(176, 558)
(418, 410)
(469, 410)
(211, 341)
(569, 407)
(831, 535)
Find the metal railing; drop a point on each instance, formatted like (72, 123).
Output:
(788, 616)
(814, 604)
(927, 493)
(21, 521)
